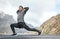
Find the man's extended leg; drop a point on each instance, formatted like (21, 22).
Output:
(31, 29)
(12, 28)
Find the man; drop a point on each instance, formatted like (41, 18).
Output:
(21, 24)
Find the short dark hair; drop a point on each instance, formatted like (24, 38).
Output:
(21, 6)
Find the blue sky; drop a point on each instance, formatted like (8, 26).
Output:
(58, 6)
(39, 10)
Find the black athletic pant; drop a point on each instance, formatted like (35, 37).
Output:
(21, 25)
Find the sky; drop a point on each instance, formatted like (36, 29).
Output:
(39, 10)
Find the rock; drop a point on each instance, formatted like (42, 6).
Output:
(51, 26)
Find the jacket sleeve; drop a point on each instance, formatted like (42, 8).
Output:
(26, 9)
(17, 11)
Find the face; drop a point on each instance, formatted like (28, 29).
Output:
(20, 9)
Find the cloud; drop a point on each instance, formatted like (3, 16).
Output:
(58, 1)
(39, 11)
(5, 21)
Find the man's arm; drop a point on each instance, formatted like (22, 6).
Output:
(17, 11)
(26, 9)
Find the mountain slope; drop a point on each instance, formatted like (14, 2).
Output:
(51, 26)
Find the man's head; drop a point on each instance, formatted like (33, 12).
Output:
(20, 8)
